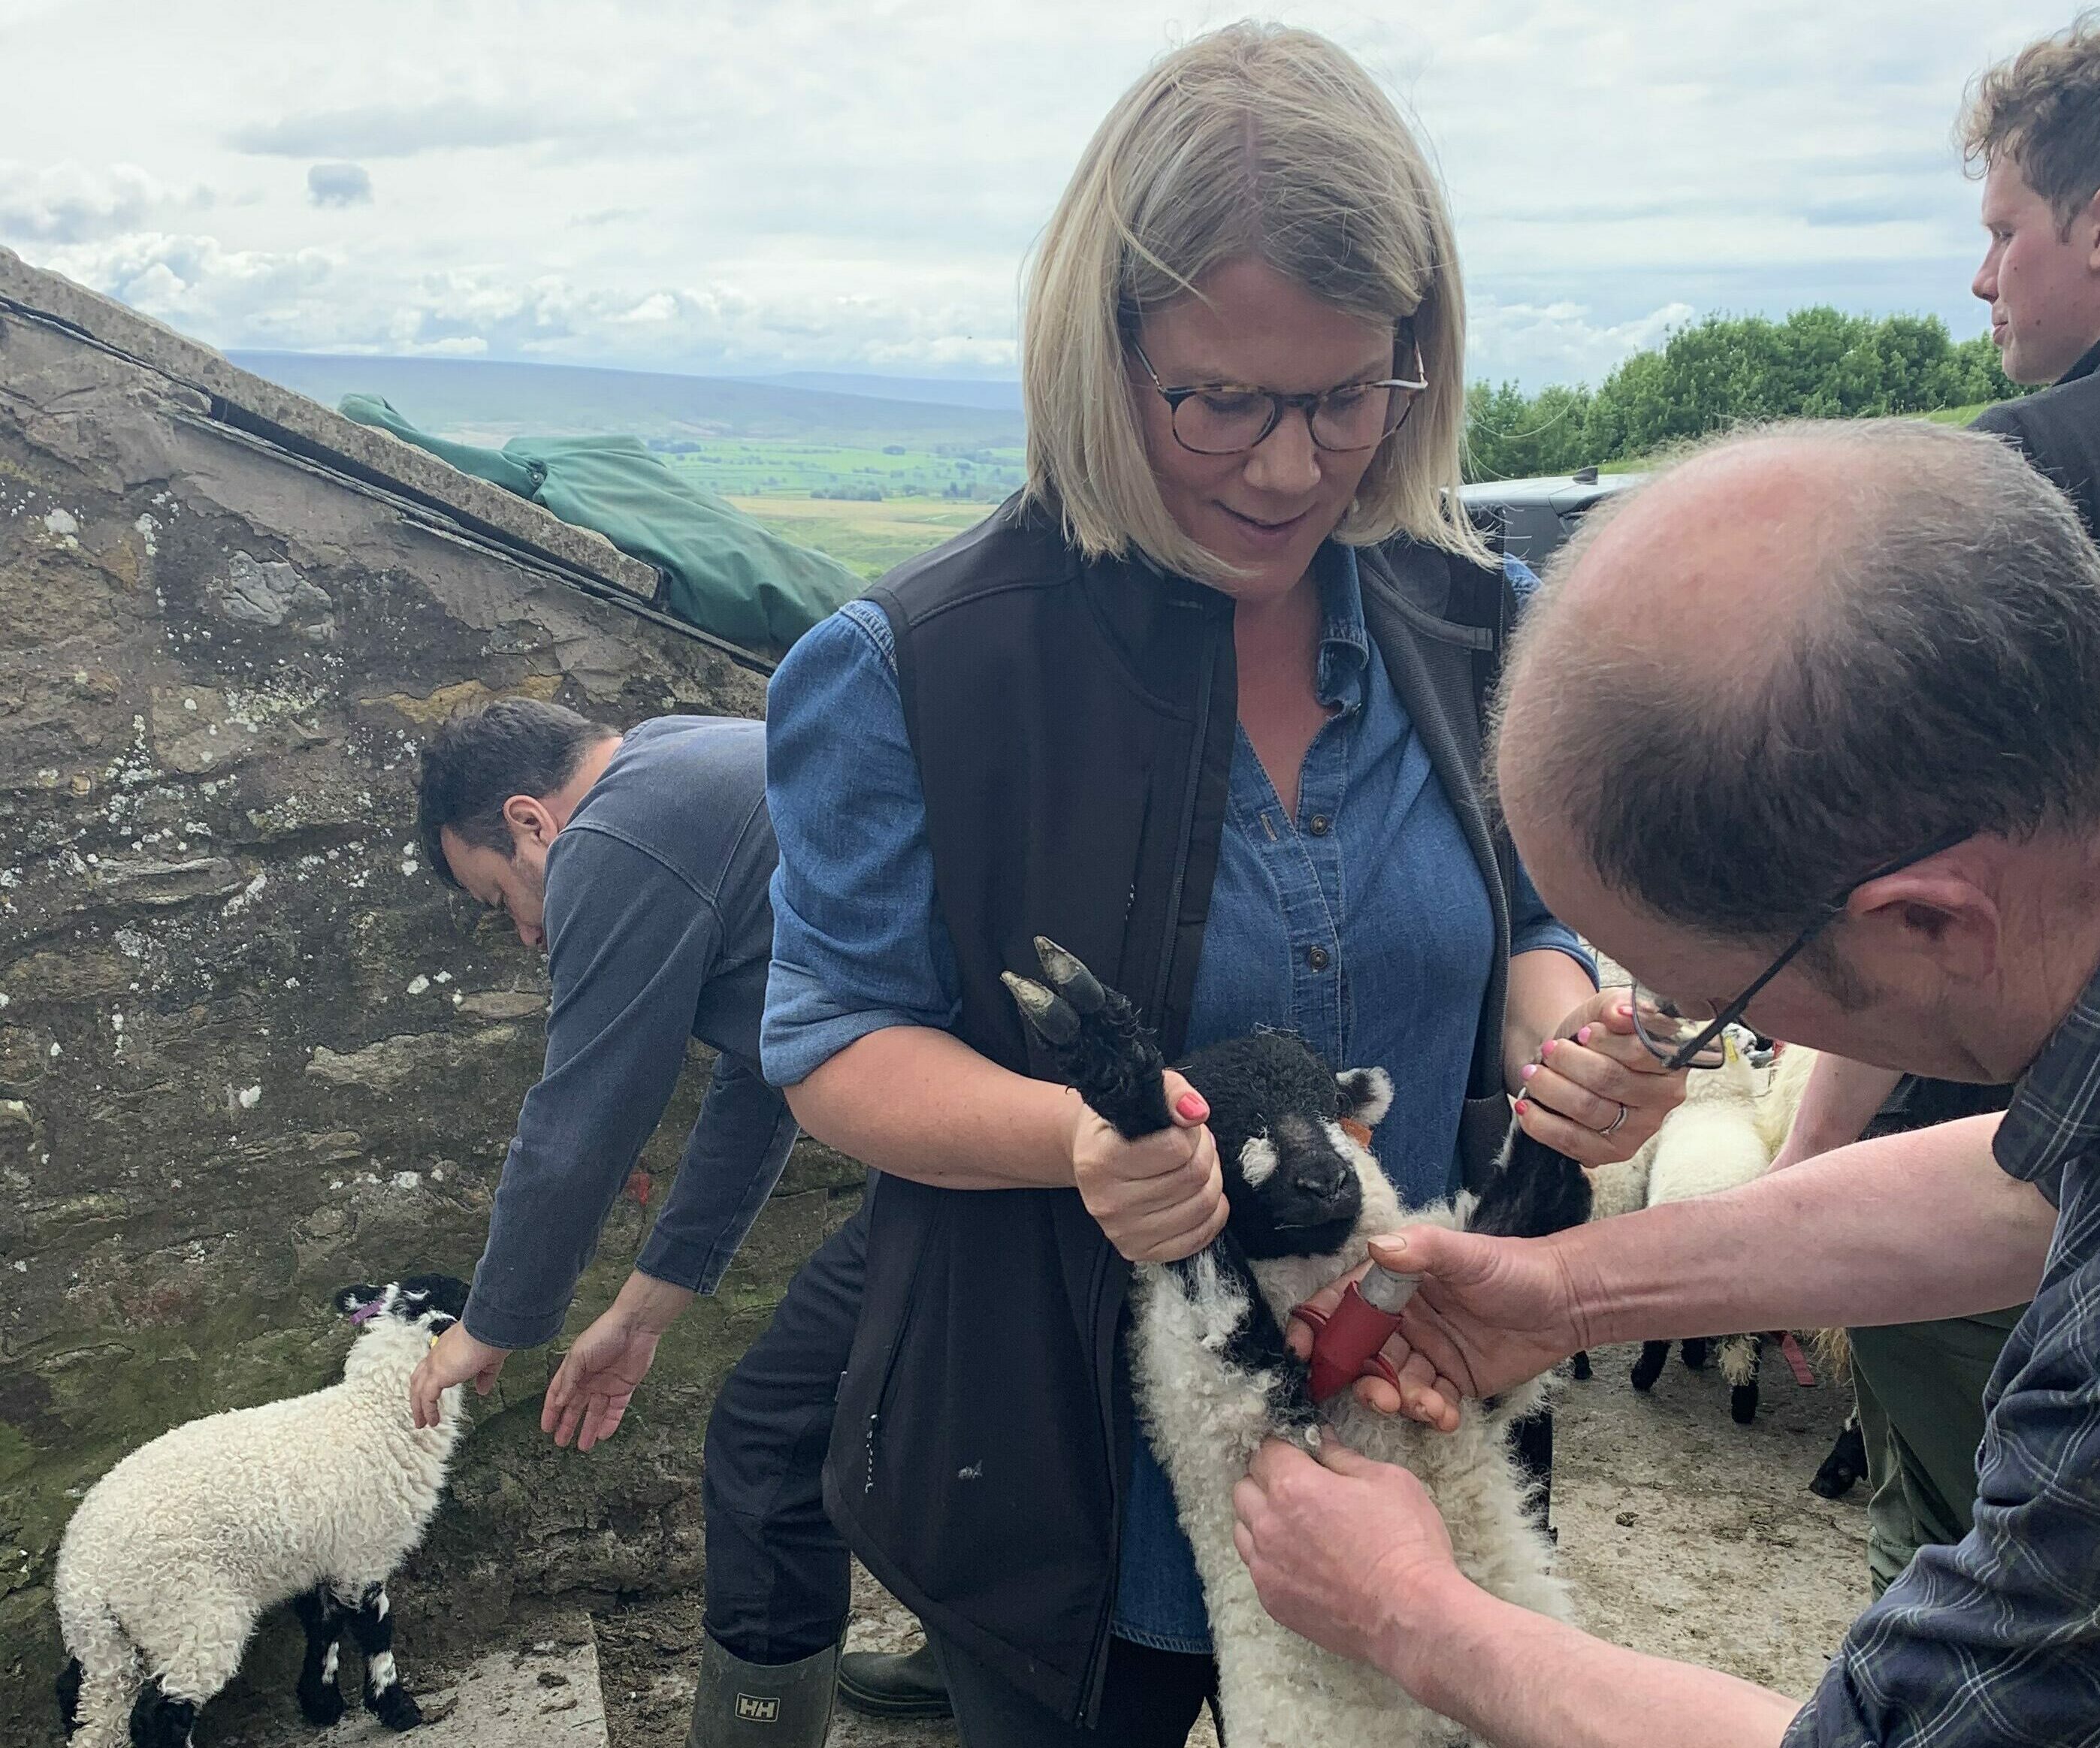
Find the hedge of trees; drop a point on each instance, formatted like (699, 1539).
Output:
(1816, 363)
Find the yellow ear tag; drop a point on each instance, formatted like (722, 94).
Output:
(434, 1340)
(1729, 1053)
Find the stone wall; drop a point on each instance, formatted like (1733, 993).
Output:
(250, 1049)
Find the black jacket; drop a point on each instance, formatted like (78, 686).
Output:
(2059, 431)
(1073, 723)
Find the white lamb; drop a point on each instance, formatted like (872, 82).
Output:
(1731, 1126)
(175, 1552)
(1212, 1377)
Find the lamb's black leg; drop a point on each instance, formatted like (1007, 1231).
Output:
(158, 1721)
(1534, 1191)
(68, 1691)
(1693, 1353)
(322, 1614)
(1648, 1367)
(1743, 1397)
(1256, 1345)
(1847, 1463)
(373, 1626)
(1578, 1367)
(1100, 1045)
(1531, 1439)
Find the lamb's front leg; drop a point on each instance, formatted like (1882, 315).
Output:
(321, 1613)
(372, 1627)
(1253, 1344)
(1102, 1047)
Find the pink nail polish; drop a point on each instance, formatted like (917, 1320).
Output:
(1523, 1105)
(1583, 1036)
(1546, 1049)
(1527, 1070)
(1191, 1106)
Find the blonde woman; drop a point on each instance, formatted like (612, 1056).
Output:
(1202, 704)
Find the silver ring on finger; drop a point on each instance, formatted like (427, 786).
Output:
(1612, 1128)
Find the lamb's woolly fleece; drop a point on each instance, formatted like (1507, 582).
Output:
(1731, 1126)
(1206, 1419)
(176, 1551)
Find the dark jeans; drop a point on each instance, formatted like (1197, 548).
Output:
(1150, 1699)
(779, 1582)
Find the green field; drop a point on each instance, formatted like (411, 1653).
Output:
(752, 468)
(868, 538)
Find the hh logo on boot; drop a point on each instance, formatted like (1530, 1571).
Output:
(750, 1709)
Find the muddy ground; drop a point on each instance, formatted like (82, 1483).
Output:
(1682, 1535)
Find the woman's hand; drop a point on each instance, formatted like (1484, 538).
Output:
(1159, 1199)
(1596, 1092)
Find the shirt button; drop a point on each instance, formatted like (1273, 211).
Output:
(1321, 825)
(1317, 957)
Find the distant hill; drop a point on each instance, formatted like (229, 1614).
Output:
(480, 400)
(942, 391)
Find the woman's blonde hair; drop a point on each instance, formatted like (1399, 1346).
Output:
(1259, 141)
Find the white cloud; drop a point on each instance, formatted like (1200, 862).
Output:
(69, 202)
(854, 183)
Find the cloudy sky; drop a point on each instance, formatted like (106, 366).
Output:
(852, 184)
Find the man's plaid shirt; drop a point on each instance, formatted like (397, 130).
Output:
(1997, 1641)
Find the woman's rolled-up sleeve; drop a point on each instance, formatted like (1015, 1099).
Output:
(859, 944)
(1532, 925)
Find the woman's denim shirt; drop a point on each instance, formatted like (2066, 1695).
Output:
(1361, 923)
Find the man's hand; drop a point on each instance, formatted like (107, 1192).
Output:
(1344, 1551)
(1159, 1199)
(455, 1356)
(1490, 1313)
(588, 1396)
(1592, 1068)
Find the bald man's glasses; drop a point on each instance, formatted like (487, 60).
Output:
(1687, 1034)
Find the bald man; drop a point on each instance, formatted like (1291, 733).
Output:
(1806, 731)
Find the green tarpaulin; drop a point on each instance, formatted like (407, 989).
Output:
(724, 572)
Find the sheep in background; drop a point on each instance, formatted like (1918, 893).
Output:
(175, 1552)
(1731, 1126)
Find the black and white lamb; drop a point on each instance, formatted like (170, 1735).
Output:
(175, 1554)
(1213, 1378)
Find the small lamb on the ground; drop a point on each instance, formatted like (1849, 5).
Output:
(1731, 1126)
(175, 1554)
(1210, 1370)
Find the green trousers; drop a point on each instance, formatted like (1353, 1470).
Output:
(1921, 1394)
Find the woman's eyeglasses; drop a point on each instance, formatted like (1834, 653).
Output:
(1224, 419)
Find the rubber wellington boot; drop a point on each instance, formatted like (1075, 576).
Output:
(742, 1704)
(893, 1683)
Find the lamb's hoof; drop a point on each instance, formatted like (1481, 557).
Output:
(396, 1708)
(1648, 1367)
(1578, 1367)
(1096, 1039)
(321, 1705)
(1743, 1404)
(1693, 1353)
(1842, 1469)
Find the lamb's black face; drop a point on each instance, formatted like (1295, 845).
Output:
(437, 1301)
(1291, 1171)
